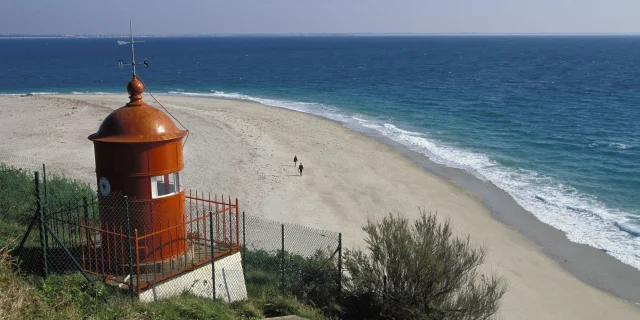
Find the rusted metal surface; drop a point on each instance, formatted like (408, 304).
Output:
(104, 246)
(133, 144)
(169, 233)
(137, 122)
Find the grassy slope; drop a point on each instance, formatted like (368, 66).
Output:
(71, 297)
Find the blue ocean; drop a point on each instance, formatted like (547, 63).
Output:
(553, 121)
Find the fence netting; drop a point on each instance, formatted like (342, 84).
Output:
(285, 258)
(199, 243)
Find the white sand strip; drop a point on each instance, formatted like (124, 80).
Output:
(246, 150)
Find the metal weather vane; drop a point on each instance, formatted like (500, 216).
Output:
(133, 63)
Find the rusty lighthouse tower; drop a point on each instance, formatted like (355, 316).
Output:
(138, 154)
(145, 231)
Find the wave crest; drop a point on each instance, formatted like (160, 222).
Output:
(582, 217)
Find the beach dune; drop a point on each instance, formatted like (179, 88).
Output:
(246, 150)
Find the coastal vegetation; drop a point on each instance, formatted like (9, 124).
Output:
(70, 296)
(409, 270)
(16, 207)
(418, 270)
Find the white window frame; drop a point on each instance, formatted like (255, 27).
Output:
(157, 180)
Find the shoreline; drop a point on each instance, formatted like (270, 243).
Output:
(351, 176)
(590, 265)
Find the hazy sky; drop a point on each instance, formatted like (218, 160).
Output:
(321, 16)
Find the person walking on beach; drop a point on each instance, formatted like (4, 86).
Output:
(300, 167)
(295, 159)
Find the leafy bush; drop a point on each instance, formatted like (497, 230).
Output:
(312, 280)
(418, 271)
(262, 272)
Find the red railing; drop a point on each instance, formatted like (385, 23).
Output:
(211, 231)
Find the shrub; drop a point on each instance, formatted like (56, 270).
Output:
(418, 271)
(312, 280)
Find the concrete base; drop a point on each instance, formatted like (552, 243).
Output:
(230, 284)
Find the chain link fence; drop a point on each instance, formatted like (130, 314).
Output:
(290, 259)
(203, 244)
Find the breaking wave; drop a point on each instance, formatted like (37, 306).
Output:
(582, 217)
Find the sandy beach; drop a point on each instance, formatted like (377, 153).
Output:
(246, 150)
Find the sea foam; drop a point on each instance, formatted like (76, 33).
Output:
(582, 217)
(90, 92)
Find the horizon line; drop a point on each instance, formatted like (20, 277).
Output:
(292, 34)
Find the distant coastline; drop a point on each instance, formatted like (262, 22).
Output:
(462, 34)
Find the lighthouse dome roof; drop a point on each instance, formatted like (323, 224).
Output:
(137, 122)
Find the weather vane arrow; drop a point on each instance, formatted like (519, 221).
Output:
(133, 63)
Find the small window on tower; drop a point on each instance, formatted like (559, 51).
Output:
(165, 185)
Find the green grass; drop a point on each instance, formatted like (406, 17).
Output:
(70, 296)
(310, 279)
(18, 206)
(18, 201)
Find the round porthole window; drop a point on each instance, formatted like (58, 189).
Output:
(104, 186)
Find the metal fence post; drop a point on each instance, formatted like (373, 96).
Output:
(45, 201)
(282, 258)
(226, 285)
(44, 183)
(43, 230)
(339, 265)
(75, 262)
(126, 203)
(213, 264)
(384, 287)
(244, 247)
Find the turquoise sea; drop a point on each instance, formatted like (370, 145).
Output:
(553, 121)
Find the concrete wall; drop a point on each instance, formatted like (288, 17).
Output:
(198, 282)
